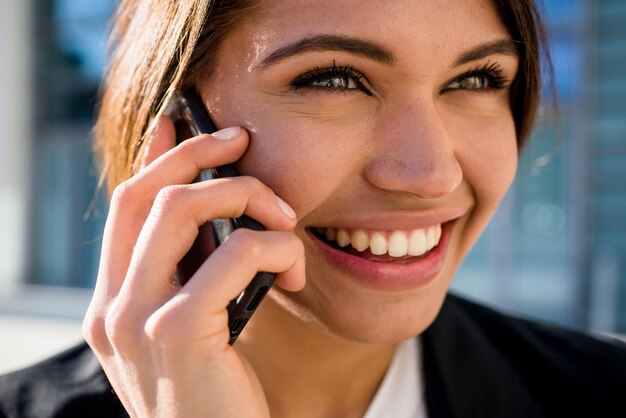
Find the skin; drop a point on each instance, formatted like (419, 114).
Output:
(418, 144)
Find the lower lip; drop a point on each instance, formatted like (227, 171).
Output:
(390, 276)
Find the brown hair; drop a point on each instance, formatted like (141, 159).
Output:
(162, 45)
(526, 27)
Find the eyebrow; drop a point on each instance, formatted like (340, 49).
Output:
(376, 52)
(499, 47)
(331, 43)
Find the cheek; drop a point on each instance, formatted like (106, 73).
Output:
(488, 155)
(303, 151)
(303, 160)
(490, 162)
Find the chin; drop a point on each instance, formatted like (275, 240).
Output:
(365, 318)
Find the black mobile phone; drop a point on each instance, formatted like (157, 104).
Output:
(190, 119)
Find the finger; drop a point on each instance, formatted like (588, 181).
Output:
(173, 224)
(183, 163)
(132, 200)
(163, 139)
(224, 275)
(232, 266)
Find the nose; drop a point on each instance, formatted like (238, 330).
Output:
(413, 152)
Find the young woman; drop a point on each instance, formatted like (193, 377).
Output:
(374, 140)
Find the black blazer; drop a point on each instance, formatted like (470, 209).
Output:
(477, 363)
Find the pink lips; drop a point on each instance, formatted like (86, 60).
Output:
(389, 275)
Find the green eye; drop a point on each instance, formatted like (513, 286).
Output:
(486, 77)
(332, 79)
(474, 82)
(335, 82)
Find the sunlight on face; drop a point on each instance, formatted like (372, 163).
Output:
(376, 117)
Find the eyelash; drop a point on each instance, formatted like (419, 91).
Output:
(491, 72)
(317, 74)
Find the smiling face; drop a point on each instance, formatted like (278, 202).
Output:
(377, 122)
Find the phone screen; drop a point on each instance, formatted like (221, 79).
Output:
(190, 119)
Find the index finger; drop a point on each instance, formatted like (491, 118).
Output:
(133, 199)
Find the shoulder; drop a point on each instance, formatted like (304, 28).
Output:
(535, 343)
(70, 384)
(556, 369)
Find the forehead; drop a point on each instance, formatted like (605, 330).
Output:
(410, 26)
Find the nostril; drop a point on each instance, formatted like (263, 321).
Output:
(429, 174)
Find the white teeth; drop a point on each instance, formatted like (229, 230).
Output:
(395, 243)
(343, 238)
(359, 240)
(378, 244)
(430, 237)
(398, 244)
(417, 242)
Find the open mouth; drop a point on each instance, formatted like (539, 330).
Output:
(398, 247)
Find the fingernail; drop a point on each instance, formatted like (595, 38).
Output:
(286, 208)
(227, 133)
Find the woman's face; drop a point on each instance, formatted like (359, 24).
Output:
(385, 120)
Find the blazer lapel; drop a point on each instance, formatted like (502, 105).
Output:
(466, 375)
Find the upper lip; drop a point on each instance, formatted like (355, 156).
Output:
(394, 220)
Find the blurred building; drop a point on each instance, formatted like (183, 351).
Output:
(555, 251)
(557, 248)
(67, 212)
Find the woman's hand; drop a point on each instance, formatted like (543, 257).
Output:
(165, 348)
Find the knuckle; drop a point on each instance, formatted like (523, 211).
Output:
(244, 241)
(173, 192)
(257, 194)
(123, 194)
(93, 330)
(170, 197)
(251, 183)
(118, 328)
(190, 150)
(164, 326)
(243, 193)
(190, 147)
(254, 187)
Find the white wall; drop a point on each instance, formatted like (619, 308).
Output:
(15, 138)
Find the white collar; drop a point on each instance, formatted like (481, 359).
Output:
(401, 394)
